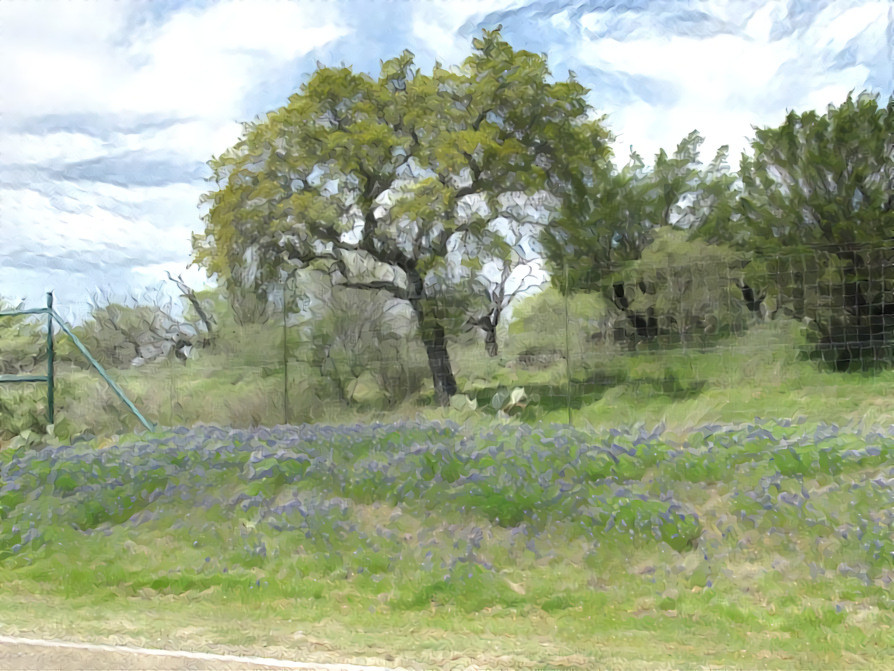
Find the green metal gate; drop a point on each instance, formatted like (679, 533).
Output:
(52, 316)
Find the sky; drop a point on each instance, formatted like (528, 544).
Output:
(110, 109)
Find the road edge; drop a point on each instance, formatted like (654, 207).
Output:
(202, 656)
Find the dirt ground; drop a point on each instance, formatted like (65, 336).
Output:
(52, 656)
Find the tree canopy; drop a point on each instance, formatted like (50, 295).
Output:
(817, 214)
(820, 180)
(621, 233)
(809, 217)
(406, 183)
(607, 221)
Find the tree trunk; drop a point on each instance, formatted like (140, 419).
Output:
(490, 342)
(488, 324)
(439, 362)
(435, 341)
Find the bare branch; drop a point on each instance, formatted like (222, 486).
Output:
(190, 295)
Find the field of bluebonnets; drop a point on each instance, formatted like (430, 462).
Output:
(438, 545)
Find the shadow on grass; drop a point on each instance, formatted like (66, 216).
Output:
(669, 385)
(584, 391)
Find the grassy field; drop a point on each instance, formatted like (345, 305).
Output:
(762, 374)
(438, 545)
(726, 505)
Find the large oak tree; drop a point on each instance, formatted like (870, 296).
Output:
(400, 183)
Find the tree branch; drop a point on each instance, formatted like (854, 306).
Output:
(376, 285)
(193, 299)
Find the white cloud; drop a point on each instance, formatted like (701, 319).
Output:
(194, 67)
(42, 225)
(50, 147)
(75, 57)
(835, 28)
(202, 63)
(728, 83)
(594, 21)
(172, 205)
(760, 25)
(194, 277)
(716, 76)
(61, 55)
(189, 72)
(194, 140)
(435, 25)
(561, 20)
(189, 141)
(76, 242)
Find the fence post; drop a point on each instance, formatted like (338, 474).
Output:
(567, 353)
(50, 367)
(101, 370)
(48, 378)
(285, 354)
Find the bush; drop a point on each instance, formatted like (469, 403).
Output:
(681, 291)
(23, 344)
(537, 331)
(364, 342)
(845, 301)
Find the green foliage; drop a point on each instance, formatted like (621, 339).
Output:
(112, 334)
(608, 220)
(537, 331)
(118, 336)
(22, 409)
(238, 381)
(244, 339)
(467, 586)
(23, 349)
(448, 526)
(625, 236)
(811, 209)
(248, 305)
(23, 344)
(364, 342)
(692, 291)
(820, 179)
(817, 209)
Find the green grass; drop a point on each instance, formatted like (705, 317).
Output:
(761, 374)
(696, 546)
(765, 546)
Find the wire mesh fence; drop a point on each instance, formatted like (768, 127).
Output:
(705, 338)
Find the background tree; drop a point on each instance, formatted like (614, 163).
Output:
(393, 184)
(499, 293)
(365, 343)
(499, 281)
(537, 330)
(201, 310)
(681, 291)
(248, 304)
(605, 226)
(817, 210)
(121, 335)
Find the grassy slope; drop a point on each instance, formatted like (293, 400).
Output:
(763, 546)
